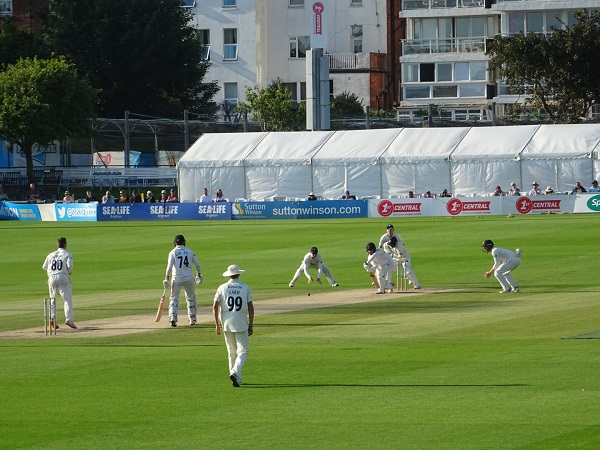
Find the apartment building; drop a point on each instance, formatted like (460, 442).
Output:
(443, 60)
(253, 42)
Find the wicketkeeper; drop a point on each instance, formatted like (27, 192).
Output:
(398, 252)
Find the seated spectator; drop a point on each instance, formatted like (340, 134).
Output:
(411, 194)
(68, 198)
(445, 193)
(3, 196)
(172, 198)
(123, 197)
(205, 197)
(163, 196)
(535, 189)
(89, 197)
(33, 194)
(498, 192)
(428, 194)
(595, 187)
(150, 197)
(514, 190)
(311, 196)
(347, 196)
(108, 198)
(219, 197)
(135, 197)
(578, 189)
(549, 191)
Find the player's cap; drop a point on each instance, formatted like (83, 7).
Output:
(389, 227)
(233, 270)
(179, 239)
(314, 250)
(535, 183)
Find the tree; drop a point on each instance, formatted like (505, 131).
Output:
(16, 44)
(43, 100)
(346, 105)
(273, 108)
(142, 54)
(558, 72)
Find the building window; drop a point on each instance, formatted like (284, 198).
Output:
(296, 2)
(356, 2)
(189, 3)
(357, 38)
(6, 7)
(298, 46)
(230, 93)
(204, 36)
(230, 44)
(229, 3)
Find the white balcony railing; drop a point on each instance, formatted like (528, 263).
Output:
(457, 45)
(435, 4)
(348, 60)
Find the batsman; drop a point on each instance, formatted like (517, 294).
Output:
(180, 262)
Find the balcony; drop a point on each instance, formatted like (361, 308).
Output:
(348, 61)
(437, 4)
(456, 45)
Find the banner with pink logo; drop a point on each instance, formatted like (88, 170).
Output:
(317, 11)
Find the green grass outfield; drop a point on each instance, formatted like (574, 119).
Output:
(466, 369)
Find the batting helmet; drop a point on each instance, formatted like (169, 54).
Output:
(314, 250)
(393, 241)
(487, 245)
(371, 247)
(179, 240)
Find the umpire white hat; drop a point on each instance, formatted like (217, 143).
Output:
(233, 270)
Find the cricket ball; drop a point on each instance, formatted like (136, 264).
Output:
(308, 293)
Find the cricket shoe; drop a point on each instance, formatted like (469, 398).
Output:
(378, 292)
(291, 284)
(54, 325)
(335, 285)
(505, 292)
(235, 381)
(173, 323)
(516, 289)
(416, 286)
(192, 322)
(70, 324)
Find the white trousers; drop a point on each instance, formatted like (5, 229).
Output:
(326, 272)
(409, 273)
(381, 273)
(504, 276)
(237, 350)
(189, 287)
(61, 284)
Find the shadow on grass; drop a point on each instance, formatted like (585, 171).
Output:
(317, 385)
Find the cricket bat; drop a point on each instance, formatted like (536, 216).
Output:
(161, 305)
(374, 279)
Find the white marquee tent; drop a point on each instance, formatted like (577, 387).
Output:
(389, 163)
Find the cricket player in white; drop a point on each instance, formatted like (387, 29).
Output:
(398, 252)
(313, 260)
(505, 261)
(59, 265)
(380, 263)
(233, 312)
(181, 262)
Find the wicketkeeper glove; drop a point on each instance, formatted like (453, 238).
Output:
(166, 284)
(199, 279)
